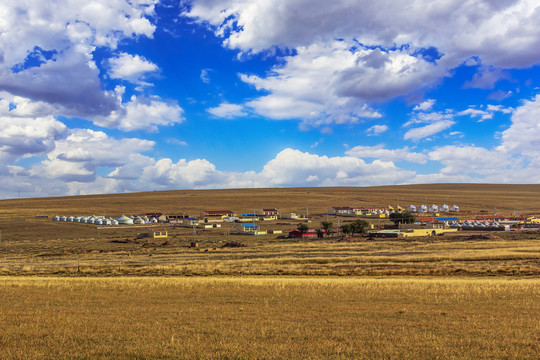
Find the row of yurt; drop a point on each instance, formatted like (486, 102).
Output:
(101, 220)
(476, 223)
(432, 209)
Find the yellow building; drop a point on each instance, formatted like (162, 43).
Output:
(157, 233)
(532, 220)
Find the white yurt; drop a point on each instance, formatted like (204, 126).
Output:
(411, 208)
(77, 219)
(56, 218)
(454, 208)
(138, 221)
(422, 208)
(91, 220)
(153, 220)
(444, 208)
(124, 220)
(83, 219)
(433, 208)
(114, 222)
(98, 221)
(63, 218)
(70, 219)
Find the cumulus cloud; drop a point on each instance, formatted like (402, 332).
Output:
(378, 57)
(141, 113)
(26, 137)
(83, 151)
(377, 129)
(62, 37)
(425, 105)
(380, 152)
(130, 67)
(338, 81)
(460, 30)
(521, 138)
(228, 111)
(292, 167)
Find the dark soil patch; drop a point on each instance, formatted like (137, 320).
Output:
(484, 237)
(235, 244)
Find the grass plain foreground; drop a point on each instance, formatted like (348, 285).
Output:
(269, 318)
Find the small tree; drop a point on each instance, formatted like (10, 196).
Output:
(359, 226)
(346, 229)
(402, 218)
(302, 228)
(327, 226)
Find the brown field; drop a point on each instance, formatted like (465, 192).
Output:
(84, 291)
(269, 318)
(41, 247)
(472, 198)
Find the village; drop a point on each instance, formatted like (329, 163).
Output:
(373, 221)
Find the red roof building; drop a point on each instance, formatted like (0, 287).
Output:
(270, 212)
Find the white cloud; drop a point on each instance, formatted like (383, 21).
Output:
(142, 113)
(130, 67)
(476, 113)
(425, 105)
(336, 82)
(460, 160)
(377, 129)
(428, 130)
(79, 155)
(485, 114)
(205, 77)
(460, 30)
(378, 57)
(379, 152)
(62, 37)
(432, 117)
(229, 111)
(292, 167)
(521, 138)
(24, 137)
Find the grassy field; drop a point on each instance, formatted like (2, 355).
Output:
(52, 248)
(472, 199)
(84, 291)
(269, 318)
(39, 247)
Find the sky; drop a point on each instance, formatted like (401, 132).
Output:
(112, 96)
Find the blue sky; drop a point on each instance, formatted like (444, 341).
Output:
(110, 96)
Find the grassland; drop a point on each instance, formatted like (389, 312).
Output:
(472, 199)
(37, 247)
(269, 318)
(83, 291)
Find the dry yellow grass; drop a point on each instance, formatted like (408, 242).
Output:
(269, 318)
(472, 198)
(93, 311)
(46, 247)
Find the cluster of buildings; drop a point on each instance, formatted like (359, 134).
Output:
(382, 211)
(428, 220)
(102, 220)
